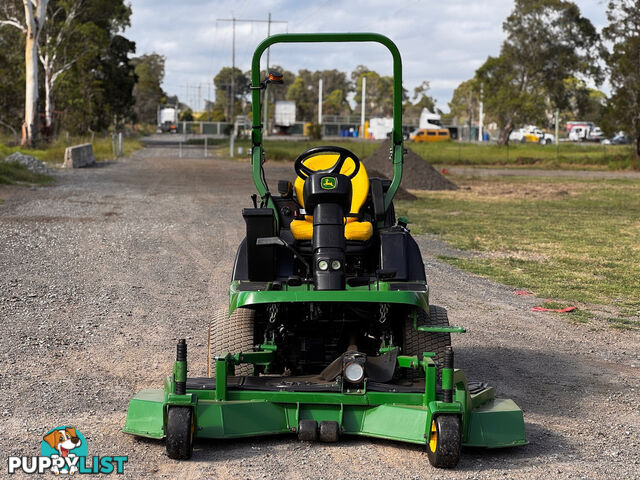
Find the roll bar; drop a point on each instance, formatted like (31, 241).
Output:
(256, 105)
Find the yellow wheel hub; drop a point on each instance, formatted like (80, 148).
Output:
(433, 436)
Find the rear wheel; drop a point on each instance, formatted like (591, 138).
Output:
(230, 334)
(443, 446)
(416, 343)
(180, 428)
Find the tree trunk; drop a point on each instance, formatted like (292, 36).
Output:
(505, 131)
(30, 132)
(48, 100)
(35, 12)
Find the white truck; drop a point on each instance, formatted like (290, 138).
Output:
(586, 134)
(167, 119)
(285, 114)
(429, 120)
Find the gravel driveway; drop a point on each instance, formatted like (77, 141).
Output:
(102, 272)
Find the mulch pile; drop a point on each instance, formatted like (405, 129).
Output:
(417, 173)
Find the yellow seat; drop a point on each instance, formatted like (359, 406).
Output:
(353, 229)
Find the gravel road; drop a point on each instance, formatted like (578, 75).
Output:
(102, 272)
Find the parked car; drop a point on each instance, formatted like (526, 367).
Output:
(531, 134)
(431, 135)
(619, 139)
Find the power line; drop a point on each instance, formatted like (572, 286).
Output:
(233, 62)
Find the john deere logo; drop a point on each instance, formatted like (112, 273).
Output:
(328, 183)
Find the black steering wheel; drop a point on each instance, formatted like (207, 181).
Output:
(304, 172)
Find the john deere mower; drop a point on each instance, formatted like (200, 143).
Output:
(329, 331)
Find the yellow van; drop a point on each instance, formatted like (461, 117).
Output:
(431, 135)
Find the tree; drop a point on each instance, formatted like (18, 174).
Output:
(421, 101)
(12, 83)
(302, 92)
(584, 103)
(379, 91)
(547, 42)
(35, 12)
(335, 103)
(147, 92)
(623, 63)
(118, 78)
(222, 82)
(465, 102)
(77, 29)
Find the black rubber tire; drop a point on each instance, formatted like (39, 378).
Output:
(447, 442)
(416, 343)
(329, 431)
(180, 428)
(307, 430)
(230, 334)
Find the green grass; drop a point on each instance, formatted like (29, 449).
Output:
(288, 150)
(567, 155)
(54, 152)
(14, 173)
(529, 155)
(624, 323)
(561, 239)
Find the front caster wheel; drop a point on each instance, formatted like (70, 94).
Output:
(307, 430)
(180, 433)
(443, 447)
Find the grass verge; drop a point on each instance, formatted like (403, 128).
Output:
(54, 152)
(14, 173)
(566, 155)
(288, 150)
(571, 240)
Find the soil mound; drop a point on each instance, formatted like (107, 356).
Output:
(401, 193)
(417, 174)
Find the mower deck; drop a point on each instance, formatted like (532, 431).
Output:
(245, 406)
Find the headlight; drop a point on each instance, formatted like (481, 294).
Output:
(335, 265)
(354, 372)
(323, 265)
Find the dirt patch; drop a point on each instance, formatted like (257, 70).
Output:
(417, 174)
(506, 189)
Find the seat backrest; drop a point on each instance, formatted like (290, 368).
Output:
(359, 183)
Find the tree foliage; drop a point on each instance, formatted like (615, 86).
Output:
(623, 63)
(83, 58)
(222, 83)
(547, 42)
(148, 93)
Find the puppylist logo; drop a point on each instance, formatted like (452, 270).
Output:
(64, 450)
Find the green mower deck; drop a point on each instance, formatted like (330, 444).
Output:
(222, 410)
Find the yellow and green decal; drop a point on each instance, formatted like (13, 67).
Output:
(328, 183)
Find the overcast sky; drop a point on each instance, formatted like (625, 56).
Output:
(442, 41)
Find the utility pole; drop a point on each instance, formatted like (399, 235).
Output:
(233, 21)
(481, 115)
(320, 102)
(364, 96)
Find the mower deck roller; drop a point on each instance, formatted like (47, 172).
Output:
(330, 304)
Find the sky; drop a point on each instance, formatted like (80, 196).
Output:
(441, 41)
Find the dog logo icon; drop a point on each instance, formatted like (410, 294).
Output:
(65, 443)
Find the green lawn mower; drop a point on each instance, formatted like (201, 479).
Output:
(329, 330)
